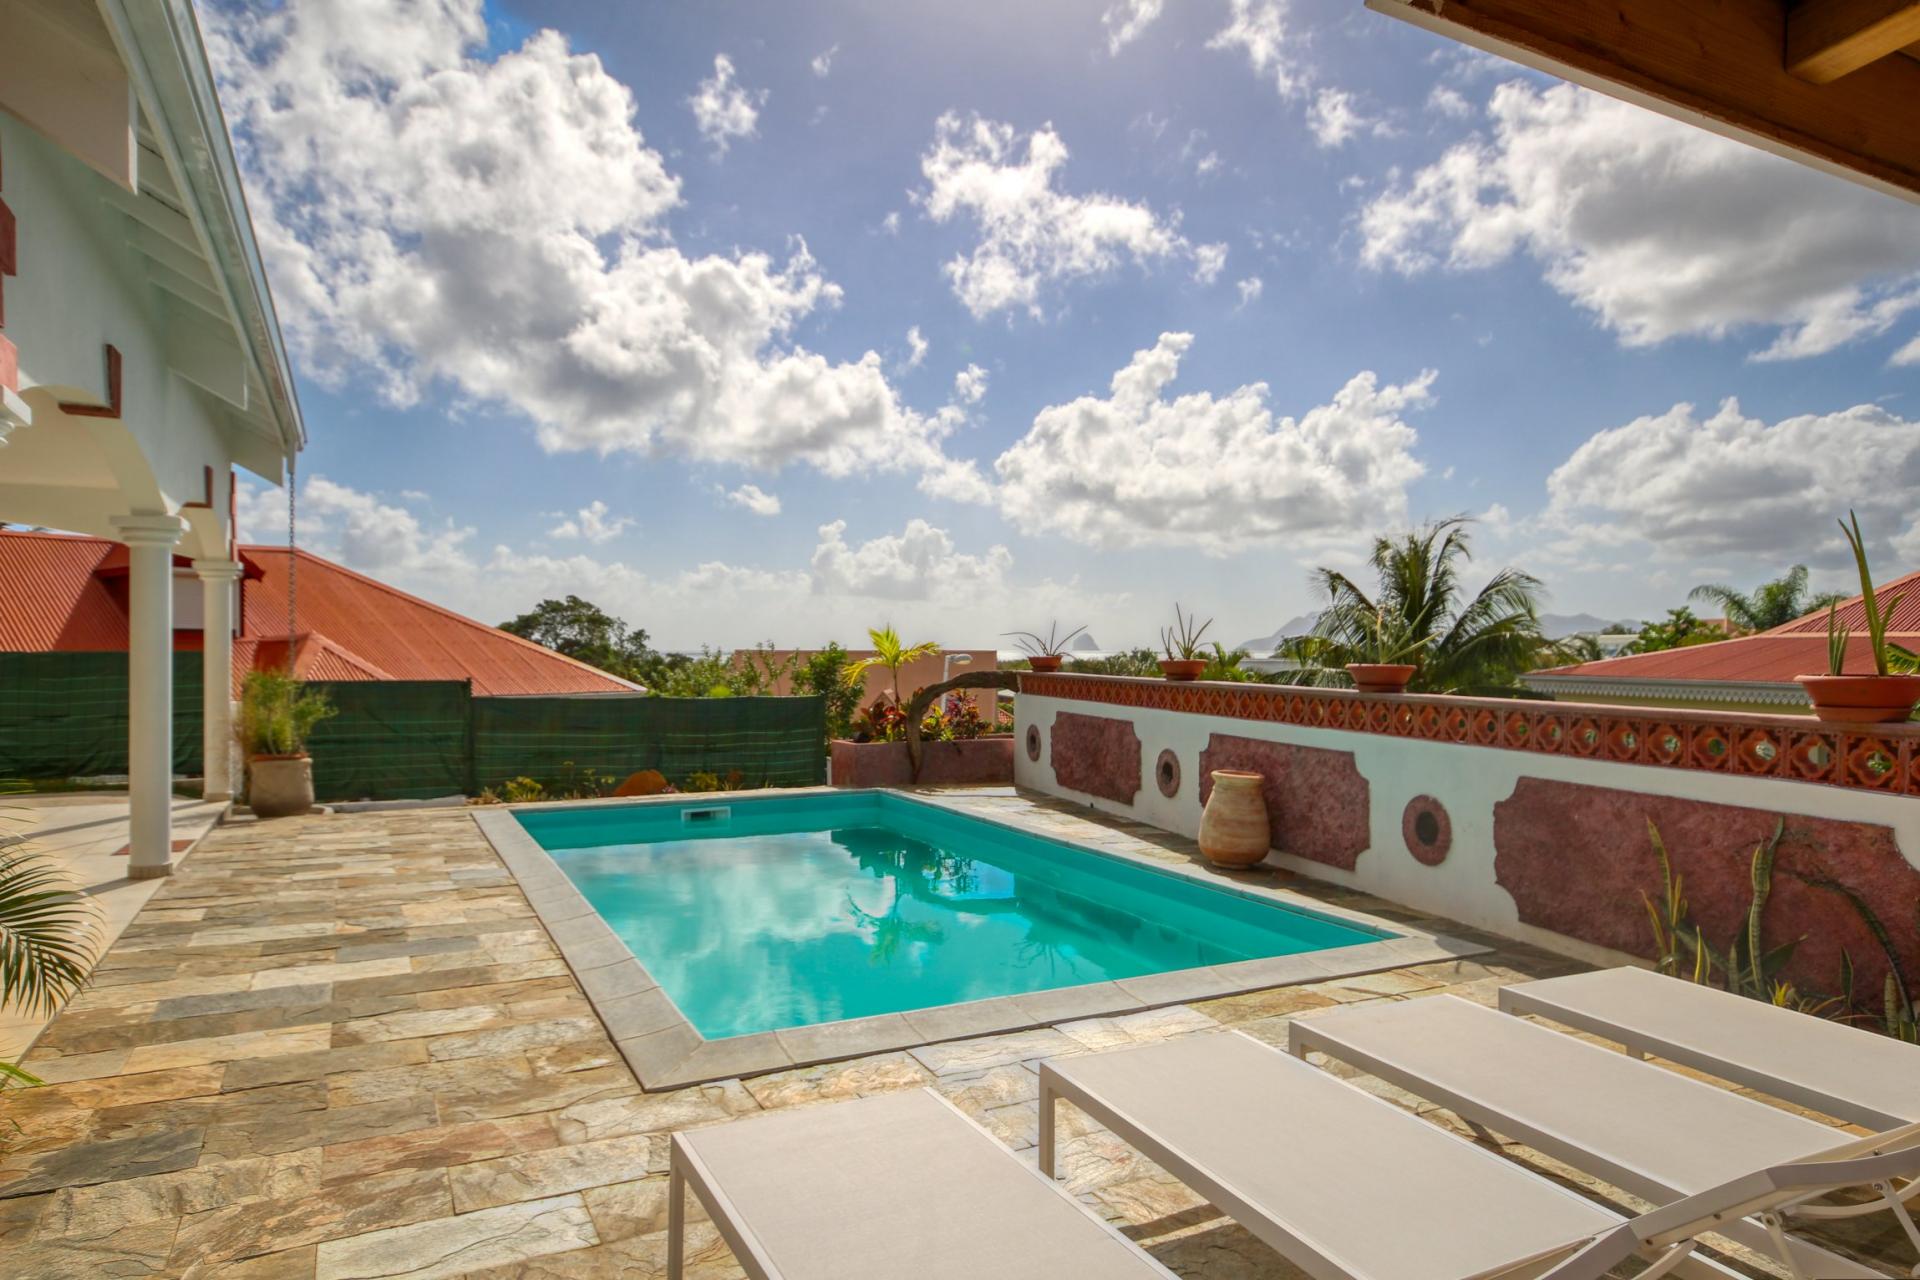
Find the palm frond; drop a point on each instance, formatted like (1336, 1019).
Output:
(46, 933)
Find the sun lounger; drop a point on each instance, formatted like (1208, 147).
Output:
(901, 1185)
(1845, 1072)
(1649, 1131)
(1344, 1185)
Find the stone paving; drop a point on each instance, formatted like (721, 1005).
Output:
(341, 1047)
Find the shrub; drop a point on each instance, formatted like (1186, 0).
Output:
(277, 713)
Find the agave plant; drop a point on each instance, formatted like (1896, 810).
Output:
(1888, 657)
(1051, 645)
(1182, 640)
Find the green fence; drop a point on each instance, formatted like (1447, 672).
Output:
(767, 741)
(64, 715)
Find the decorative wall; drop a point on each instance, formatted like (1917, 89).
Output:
(1098, 755)
(1577, 859)
(1316, 799)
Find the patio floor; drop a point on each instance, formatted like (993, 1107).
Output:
(341, 1046)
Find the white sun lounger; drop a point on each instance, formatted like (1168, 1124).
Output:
(1845, 1072)
(1649, 1131)
(885, 1188)
(1346, 1186)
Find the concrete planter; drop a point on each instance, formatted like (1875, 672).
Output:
(977, 761)
(280, 786)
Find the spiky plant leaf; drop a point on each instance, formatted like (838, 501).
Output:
(46, 933)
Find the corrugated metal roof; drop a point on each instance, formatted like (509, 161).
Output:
(1798, 648)
(54, 598)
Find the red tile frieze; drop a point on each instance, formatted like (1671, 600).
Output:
(1882, 758)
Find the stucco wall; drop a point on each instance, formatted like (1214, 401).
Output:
(1550, 848)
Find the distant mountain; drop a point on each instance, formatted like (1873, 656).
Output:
(1558, 626)
(1264, 645)
(1083, 642)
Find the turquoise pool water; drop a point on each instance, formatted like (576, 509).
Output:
(786, 911)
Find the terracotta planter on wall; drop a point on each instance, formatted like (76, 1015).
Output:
(1182, 668)
(1380, 677)
(1862, 699)
(280, 786)
(1234, 831)
(1047, 661)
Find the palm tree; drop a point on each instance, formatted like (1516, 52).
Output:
(46, 934)
(1457, 643)
(1772, 604)
(888, 652)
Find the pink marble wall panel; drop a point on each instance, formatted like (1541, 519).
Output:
(1577, 859)
(1098, 755)
(1316, 799)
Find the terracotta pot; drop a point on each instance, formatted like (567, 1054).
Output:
(279, 786)
(1380, 677)
(1862, 699)
(1234, 831)
(1182, 668)
(1047, 662)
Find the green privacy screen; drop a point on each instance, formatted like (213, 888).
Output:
(767, 741)
(392, 740)
(64, 715)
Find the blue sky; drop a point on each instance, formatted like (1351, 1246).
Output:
(563, 280)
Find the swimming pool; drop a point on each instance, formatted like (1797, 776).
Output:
(769, 913)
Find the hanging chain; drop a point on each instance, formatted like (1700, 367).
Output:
(293, 561)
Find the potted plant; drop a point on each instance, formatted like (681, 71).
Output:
(277, 712)
(1386, 641)
(1044, 654)
(1185, 658)
(1891, 690)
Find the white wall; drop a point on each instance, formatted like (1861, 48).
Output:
(1468, 780)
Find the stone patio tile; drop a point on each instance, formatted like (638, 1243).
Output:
(122, 1251)
(1143, 1027)
(462, 1078)
(55, 1067)
(91, 1162)
(974, 1018)
(303, 996)
(521, 1036)
(350, 1209)
(962, 1056)
(536, 1175)
(461, 1244)
(272, 1132)
(1064, 1003)
(209, 1109)
(1182, 985)
(116, 1091)
(653, 1112)
(99, 1208)
(320, 1064)
(246, 1044)
(418, 1024)
(836, 1081)
(1255, 1005)
(333, 971)
(288, 1264)
(982, 1091)
(624, 1210)
(536, 1094)
(827, 1041)
(440, 1146)
(99, 996)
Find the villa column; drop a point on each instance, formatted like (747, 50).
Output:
(216, 594)
(150, 541)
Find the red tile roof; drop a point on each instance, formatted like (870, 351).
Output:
(55, 597)
(1798, 648)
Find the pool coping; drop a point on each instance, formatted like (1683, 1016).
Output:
(665, 1051)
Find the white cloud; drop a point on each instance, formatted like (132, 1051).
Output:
(592, 524)
(822, 63)
(970, 384)
(1126, 20)
(1217, 473)
(1449, 101)
(1335, 120)
(1207, 165)
(1907, 355)
(917, 564)
(755, 499)
(891, 223)
(1209, 260)
(1250, 289)
(1660, 229)
(1030, 233)
(1733, 485)
(355, 528)
(723, 110)
(1258, 28)
(916, 347)
(498, 225)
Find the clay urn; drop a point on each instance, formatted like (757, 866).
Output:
(1234, 831)
(1863, 699)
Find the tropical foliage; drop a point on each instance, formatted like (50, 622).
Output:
(1771, 604)
(891, 654)
(1130, 662)
(824, 673)
(278, 713)
(1181, 641)
(587, 633)
(1680, 629)
(1420, 610)
(1888, 657)
(46, 937)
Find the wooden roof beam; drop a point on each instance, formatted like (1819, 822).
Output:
(1717, 64)
(1827, 39)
